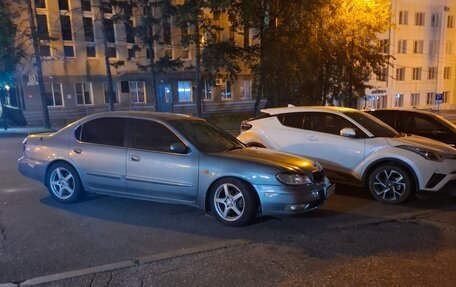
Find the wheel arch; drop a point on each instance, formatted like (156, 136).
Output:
(207, 205)
(394, 161)
(50, 164)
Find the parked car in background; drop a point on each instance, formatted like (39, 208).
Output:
(420, 123)
(356, 148)
(175, 159)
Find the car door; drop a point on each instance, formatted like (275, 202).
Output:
(428, 127)
(339, 155)
(99, 152)
(153, 169)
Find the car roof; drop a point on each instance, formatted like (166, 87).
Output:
(405, 110)
(143, 114)
(292, 109)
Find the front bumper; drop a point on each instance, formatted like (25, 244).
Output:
(439, 176)
(286, 200)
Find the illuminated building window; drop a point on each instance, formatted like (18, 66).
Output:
(184, 91)
(415, 99)
(137, 92)
(83, 93)
(54, 95)
(399, 100)
(226, 91)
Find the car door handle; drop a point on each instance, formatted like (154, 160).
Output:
(135, 158)
(77, 150)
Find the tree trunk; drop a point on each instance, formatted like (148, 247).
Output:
(259, 94)
(106, 60)
(39, 69)
(197, 99)
(150, 46)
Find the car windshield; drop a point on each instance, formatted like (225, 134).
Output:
(205, 136)
(375, 126)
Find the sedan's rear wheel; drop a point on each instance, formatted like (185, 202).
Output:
(233, 202)
(63, 183)
(390, 184)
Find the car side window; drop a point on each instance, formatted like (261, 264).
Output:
(331, 124)
(150, 135)
(105, 131)
(293, 120)
(427, 125)
(405, 122)
(388, 117)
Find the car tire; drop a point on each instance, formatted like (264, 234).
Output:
(390, 184)
(63, 183)
(233, 202)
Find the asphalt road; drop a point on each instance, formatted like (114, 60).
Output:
(352, 233)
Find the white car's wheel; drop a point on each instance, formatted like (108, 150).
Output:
(233, 202)
(390, 184)
(63, 183)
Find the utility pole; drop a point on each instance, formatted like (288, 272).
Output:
(39, 69)
(106, 59)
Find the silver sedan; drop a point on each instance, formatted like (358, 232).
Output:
(172, 158)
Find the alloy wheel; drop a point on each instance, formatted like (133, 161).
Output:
(62, 183)
(229, 202)
(389, 184)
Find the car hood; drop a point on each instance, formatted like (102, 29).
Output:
(273, 158)
(422, 142)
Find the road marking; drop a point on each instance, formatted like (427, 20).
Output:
(131, 263)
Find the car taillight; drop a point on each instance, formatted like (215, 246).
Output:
(245, 126)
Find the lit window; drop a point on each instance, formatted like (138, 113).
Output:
(399, 100)
(184, 91)
(415, 99)
(207, 91)
(83, 93)
(226, 91)
(137, 92)
(246, 87)
(54, 95)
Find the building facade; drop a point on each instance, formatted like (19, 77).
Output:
(422, 44)
(75, 73)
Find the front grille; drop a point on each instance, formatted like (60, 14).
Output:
(318, 176)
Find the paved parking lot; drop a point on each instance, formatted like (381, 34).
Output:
(353, 240)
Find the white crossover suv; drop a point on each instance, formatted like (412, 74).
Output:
(356, 148)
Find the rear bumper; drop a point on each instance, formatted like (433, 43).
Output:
(288, 200)
(32, 168)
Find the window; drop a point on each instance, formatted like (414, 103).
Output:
(68, 51)
(433, 47)
(419, 19)
(294, 120)
(430, 99)
(54, 95)
(449, 48)
(424, 125)
(148, 53)
(150, 135)
(106, 94)
(106, 131)
(166, 32)
(184, 91)
(403, 17)
(402, 47)
(246, 40)
(83, 93)
(129, 32)
(415, 99)
(450, 21)
(226, 91)
(432, 73)
(137, 92)
(447, 73)
(131, 53)
(91, 52)
(388, 117)
(435, 20)
(445, 96)
(107, 8)
(112, 52)
(207, 91)
(400, 74)
(124, 87)
(382, 74)
(45, 51)
(63, 5)
(418, 47)
(86, 5)
(384, 46)
(40, 3)
(88, 29)
(246, 89)
(109, 30)
(416, 74)
(329, 123)
(65, 23)
(42, 27)
(184, 34)
(399, 100)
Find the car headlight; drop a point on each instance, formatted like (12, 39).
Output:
(293, 178)
(424, 152)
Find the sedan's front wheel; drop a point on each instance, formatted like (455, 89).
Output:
(233, 202)
(63, 183)
(390, 184)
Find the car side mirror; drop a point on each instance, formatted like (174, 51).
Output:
(178, 148)
(348, 132)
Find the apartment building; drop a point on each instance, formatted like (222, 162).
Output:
(75, 73)
(422, 44)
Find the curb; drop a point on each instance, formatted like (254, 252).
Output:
(130, 263)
